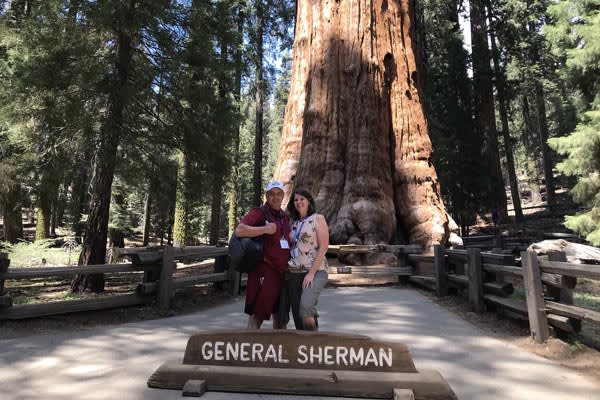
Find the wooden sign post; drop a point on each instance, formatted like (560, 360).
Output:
(299, 362)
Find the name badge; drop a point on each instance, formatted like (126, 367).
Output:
(284, 244)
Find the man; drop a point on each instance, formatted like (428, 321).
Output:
(264, 284)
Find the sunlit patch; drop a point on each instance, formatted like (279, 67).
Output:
(87, 369)
(45, 362)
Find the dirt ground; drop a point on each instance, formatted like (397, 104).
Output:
(572, 354)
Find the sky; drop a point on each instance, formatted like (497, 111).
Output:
(463, 19)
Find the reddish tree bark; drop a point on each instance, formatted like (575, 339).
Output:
(355, 132)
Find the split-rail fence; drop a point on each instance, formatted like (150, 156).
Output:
(486, 276)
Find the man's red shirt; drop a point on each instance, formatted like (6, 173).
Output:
(275, 257)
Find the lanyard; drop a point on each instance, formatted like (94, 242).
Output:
(297, 233)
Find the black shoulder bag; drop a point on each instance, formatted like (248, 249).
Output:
(246, 252)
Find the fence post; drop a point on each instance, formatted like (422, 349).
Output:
(5, 299)
(165, 283)
(498, 242)
(475, 280)
(4, 263)
(441, 274)
(232, 284)
(404, 269)
(562, 294)
(538, 321)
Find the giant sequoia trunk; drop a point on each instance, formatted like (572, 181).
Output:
(355, 132)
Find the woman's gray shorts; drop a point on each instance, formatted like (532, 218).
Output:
(310, 295)
(303, 302)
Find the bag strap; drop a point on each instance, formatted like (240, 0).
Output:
(264, 212)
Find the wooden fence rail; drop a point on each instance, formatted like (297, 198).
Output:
(482, 274)
(548, 285)
(157, 285)
(158, 265)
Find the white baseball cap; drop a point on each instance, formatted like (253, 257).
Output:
(274, 185)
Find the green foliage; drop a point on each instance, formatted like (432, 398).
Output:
(582, 148)
(586, 300)
(519, 293)
(25, 254)
(449, 111)
(57, 68)
(573, 34)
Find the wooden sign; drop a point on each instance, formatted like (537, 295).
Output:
(297, 349)
(299, 362)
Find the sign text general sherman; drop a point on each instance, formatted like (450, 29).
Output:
(311, 355)
(297, 349)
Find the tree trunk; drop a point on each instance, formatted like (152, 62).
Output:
(258, 131)
(47, 192)
(485, 118)
(542, 120)
(234, 178)
(54, 217)
(58, 209)
(11, 214)
(94, 242)
(61, 203)
(502, 102)
(355, 133)
(118, 219)
(42, 220)
(448, 102)
(233, 196)
(181, 230)
(543, 136)
(215, 207)
(78, 198)
(531, 144)
(147, 214)
(225, 130)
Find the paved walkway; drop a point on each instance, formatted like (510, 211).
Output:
(115, 362)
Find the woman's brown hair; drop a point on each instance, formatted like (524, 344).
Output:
(311, 203)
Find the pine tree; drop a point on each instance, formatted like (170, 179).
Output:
(503, 89)
(485, 117)
(573, 34)
(449, 106)
(582, 148)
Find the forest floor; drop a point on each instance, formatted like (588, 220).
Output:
(576, 352)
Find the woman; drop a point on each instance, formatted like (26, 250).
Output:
(307, 274)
